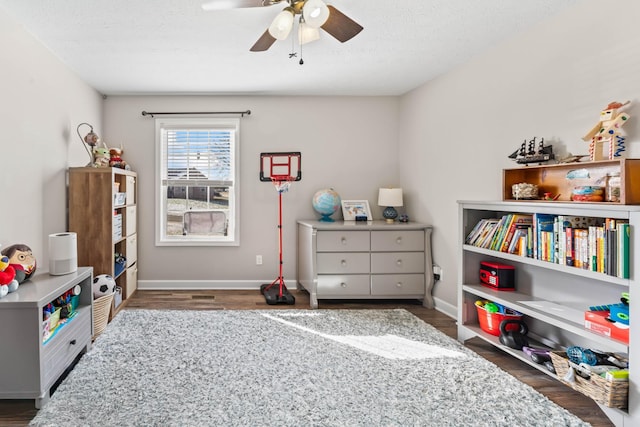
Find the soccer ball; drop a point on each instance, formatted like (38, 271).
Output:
(103, 284)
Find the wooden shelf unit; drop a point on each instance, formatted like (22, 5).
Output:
(552, 297)
(94, 216)
(553, 179)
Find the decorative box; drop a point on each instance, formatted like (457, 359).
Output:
(119, 199)
(598, 321)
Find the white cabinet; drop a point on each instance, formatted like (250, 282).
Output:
(552, 297)
(32, 365)
(347, 259)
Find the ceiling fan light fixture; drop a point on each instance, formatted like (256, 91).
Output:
(315, 13)
(282, 24)
(307, 34)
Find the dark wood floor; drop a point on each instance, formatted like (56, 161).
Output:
(20, 412)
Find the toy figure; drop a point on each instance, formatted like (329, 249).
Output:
(22, 260)
(607, 136)
(115, 160)
(101, 156)
(8, 283)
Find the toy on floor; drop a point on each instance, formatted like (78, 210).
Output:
(103, 284)
(281, 169)
(607, 137)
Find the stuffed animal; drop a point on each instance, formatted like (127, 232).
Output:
(22, 260)
(8, 283)
(115, 160)
(101, 156)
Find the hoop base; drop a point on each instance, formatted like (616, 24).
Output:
(272, 294)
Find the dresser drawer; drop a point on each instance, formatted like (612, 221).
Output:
(397, 284)
(397, 262)
(343, 263)
(342, 241)
(348, 285)
(412, 240)
(61, 349)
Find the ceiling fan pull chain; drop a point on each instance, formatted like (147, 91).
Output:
(301, 61)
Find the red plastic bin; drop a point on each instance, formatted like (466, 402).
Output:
(490, 322)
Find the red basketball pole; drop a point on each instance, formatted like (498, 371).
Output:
(280, 279)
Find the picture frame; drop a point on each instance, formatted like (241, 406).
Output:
(356, 210)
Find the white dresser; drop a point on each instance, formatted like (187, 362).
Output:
(358, 260)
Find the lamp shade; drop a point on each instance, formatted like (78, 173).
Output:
(307, 34)
(390, 197)
(315, 13)
(282, 24)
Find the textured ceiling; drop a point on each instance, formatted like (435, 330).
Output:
(173, 46)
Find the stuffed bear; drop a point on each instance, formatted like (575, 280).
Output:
(8, 283)
(115, 160)
(22, 260)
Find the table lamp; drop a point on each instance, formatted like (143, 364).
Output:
(390, 198)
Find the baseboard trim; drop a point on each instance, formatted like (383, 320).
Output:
(446, 308)
(190, 285)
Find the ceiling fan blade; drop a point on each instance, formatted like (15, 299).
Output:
(236, 4)
(264, 42)
(340, 25)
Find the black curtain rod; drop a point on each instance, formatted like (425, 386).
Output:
(242, 113)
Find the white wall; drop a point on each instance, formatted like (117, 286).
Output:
(41, 103)
(348, 143)
(552, 81)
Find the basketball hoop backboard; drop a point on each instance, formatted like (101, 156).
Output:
(284, 166)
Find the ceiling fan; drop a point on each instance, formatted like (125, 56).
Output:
(314, 14)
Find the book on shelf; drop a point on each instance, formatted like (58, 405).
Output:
(475, 232)
(589, 243)
(516, 221)
(622, 260)
(500, 231)
(543, 236)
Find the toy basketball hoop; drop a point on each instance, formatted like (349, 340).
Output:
(281, 169)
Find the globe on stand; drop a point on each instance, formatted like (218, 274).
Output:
(326, 202)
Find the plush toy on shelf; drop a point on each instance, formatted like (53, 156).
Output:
(8, 283)
(22, 260)
(101, 156)
(115, 160)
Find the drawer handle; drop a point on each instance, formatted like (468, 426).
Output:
(343, 284)
(399, 240)
(343, 262)
(399, 285)
(72, 342)
(399, 263)
(343, 240)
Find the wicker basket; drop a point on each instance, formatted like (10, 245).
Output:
(101, 309)
(614, 394)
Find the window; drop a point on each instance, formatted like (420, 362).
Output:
(197, 182)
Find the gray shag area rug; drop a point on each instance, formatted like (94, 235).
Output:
(289, 368)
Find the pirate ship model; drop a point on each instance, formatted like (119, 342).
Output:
(530, 153)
